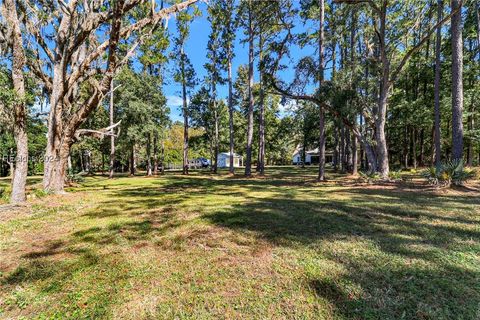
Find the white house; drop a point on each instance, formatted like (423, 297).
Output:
(311, 156)
(224, 160)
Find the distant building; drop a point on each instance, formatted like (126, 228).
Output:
(311, 156)
(224, 160)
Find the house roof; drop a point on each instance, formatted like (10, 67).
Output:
(313, 152)
(310, 152)
(228, 154)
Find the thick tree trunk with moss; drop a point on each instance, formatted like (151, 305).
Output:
(112, 138)
(19, 110)
(380, 138)
(72, 61)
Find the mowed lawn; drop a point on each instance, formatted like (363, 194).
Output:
(222, 247)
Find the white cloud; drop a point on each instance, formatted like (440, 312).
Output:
(289, 106)
(174, 101)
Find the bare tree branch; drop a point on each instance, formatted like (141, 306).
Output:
(100, 133)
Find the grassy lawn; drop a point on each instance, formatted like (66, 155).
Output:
(214, 247)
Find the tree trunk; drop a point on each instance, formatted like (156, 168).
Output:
(62, 124)
(11, 163)
(371, 157)
(69, 164)
(362, 153)
(230, 110)
(155, 153)
(471, 127)
(82, 166)
(112, 138)
(103, 164)
(405, 154)
(149, 156)
(348, 153)
(477, 15)
(53, 176)
(185, 118)
(321, 146)
(354, 156)
(353, 28)
(88, 161)
(369, 150)
(438, 64)
(19, 179)
(457, 82)
(421, 160)
(216, 138)
(162, 157)
(381, 112)
(414, 148)
(382, 150)
(248, 160)
(343, 158)
(335, 148)
(261, 129)
(55, 171)
(132, 160)
(304, 147)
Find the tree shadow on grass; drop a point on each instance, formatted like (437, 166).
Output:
(412, 268)
(90, 262)
(54, 272)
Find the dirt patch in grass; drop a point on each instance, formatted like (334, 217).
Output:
(11, 211)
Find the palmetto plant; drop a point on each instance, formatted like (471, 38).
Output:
(448, 173)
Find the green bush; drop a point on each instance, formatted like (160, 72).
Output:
(449, 173)
(395, 175)
(75, 178)
(432, 176)
(369, 176)
(5, 194)
(40, 193)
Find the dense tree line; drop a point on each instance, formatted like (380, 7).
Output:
(379, 84)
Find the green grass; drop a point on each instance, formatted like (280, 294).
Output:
(210, 247)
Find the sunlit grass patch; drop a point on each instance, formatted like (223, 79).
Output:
(203, 246)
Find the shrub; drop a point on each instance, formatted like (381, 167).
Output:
(448, 173)
(40, 193)
(75, 178)
(395, 175)
(432, 176)
(369, 176)
(5, 194)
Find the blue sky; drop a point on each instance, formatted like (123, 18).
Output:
(196, 50)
